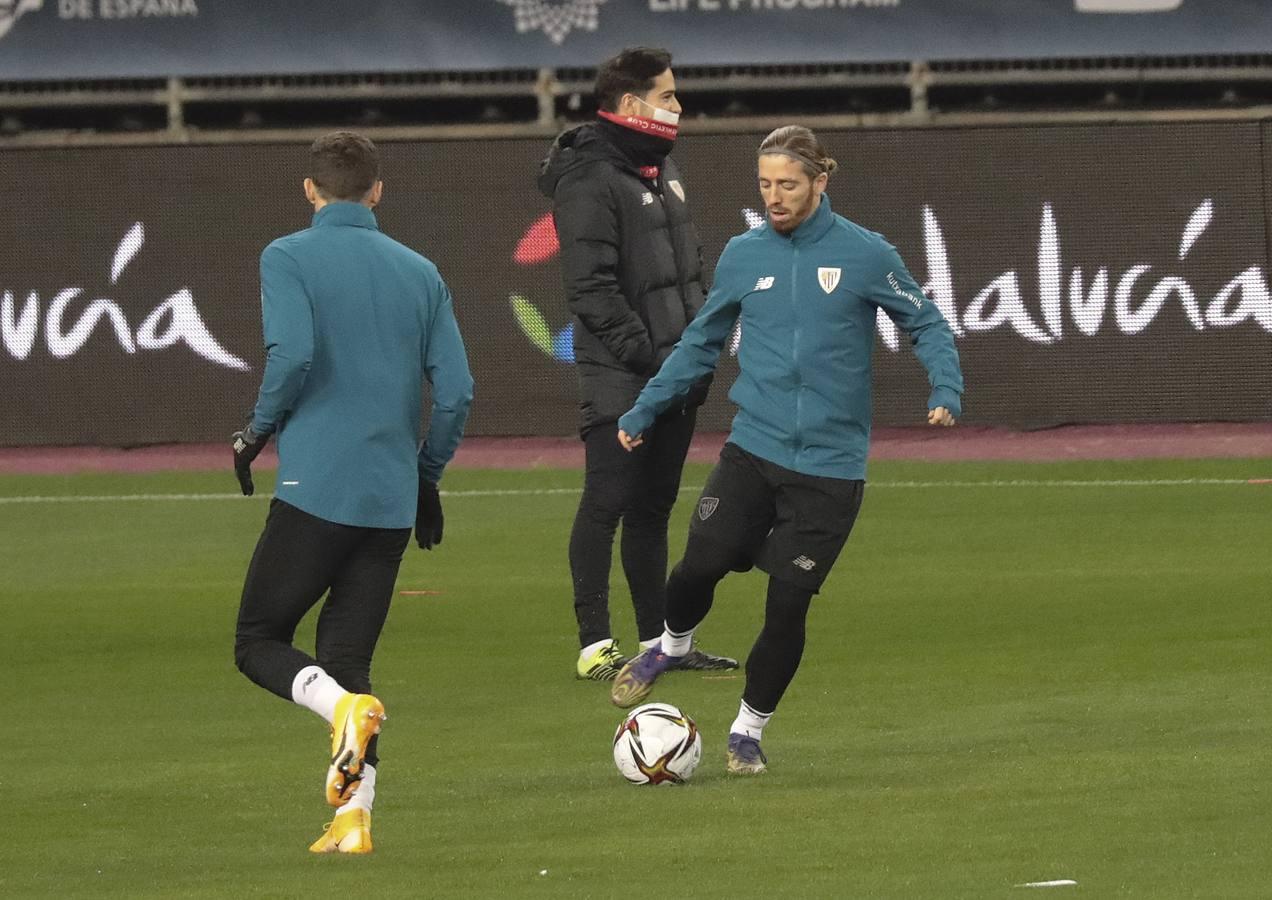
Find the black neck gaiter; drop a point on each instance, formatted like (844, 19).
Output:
(645, 150)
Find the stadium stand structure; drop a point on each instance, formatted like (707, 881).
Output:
(441, 105)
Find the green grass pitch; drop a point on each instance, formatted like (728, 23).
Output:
(1005, 682)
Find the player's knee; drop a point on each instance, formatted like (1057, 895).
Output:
(242, 651)
(647, 518)
(786, 609)
(652, 507)
(791, 628)
(604, 508)
(706, 560)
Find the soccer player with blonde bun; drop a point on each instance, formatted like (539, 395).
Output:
(806, 287)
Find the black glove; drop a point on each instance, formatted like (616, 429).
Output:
(428, 516)
(247, 446)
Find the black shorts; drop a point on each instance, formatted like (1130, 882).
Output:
(790, 525)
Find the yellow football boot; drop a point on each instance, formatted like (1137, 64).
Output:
(358, 719)
(603, 665)
(350, 832)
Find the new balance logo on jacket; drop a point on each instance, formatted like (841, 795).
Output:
(764, 283)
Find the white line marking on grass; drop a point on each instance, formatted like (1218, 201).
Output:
(543, 492)
(108, 498)
(1013, 483)
(1062, 882)
(1040, 483)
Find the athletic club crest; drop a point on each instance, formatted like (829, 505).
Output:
(677, 188)
(706, 506)
(556, 20)
(828, 279)
(12, 10)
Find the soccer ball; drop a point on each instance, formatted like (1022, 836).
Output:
(657, 744)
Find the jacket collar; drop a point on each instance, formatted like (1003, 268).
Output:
(814, 227)
(344, 213)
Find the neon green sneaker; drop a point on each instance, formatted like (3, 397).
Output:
(603, 665)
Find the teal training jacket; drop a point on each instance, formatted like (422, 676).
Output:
(807, 304)
(354, 323)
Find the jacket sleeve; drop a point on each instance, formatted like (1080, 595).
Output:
(446, 368)
(695, 355)
(288, 320)
(899, 295)
(588, 230)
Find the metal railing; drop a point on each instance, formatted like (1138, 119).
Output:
(535, 102)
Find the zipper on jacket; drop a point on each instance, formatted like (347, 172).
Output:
(661, 194)
(660, 190)
(799, 381)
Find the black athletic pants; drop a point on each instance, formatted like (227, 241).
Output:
(639, 489)
(753, 512)
(298, 558)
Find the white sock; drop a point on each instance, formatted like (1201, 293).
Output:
(364, 794)
(749, 722)
(676, 644)
(592, 648)
(315, 689)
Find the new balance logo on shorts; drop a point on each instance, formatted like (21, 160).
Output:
(706, 506)
(804, 563)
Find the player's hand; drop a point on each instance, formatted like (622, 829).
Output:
(247, 446)
(940, 416)
(629, 443)
(428, 516)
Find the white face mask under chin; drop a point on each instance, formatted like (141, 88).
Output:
(666, 116)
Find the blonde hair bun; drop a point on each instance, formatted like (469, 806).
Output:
(799, 143)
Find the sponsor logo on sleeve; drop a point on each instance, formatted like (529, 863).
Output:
(902, 292)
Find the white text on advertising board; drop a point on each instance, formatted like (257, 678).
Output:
(174, 320)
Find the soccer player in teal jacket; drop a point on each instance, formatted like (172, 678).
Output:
(354, 323)
(806, 288)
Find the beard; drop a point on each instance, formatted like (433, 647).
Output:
(794, 216)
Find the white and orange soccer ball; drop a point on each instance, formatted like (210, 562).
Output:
(657, 744)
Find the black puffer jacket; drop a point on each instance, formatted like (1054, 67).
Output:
(632, 266)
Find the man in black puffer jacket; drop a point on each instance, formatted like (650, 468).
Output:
(633, 280)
